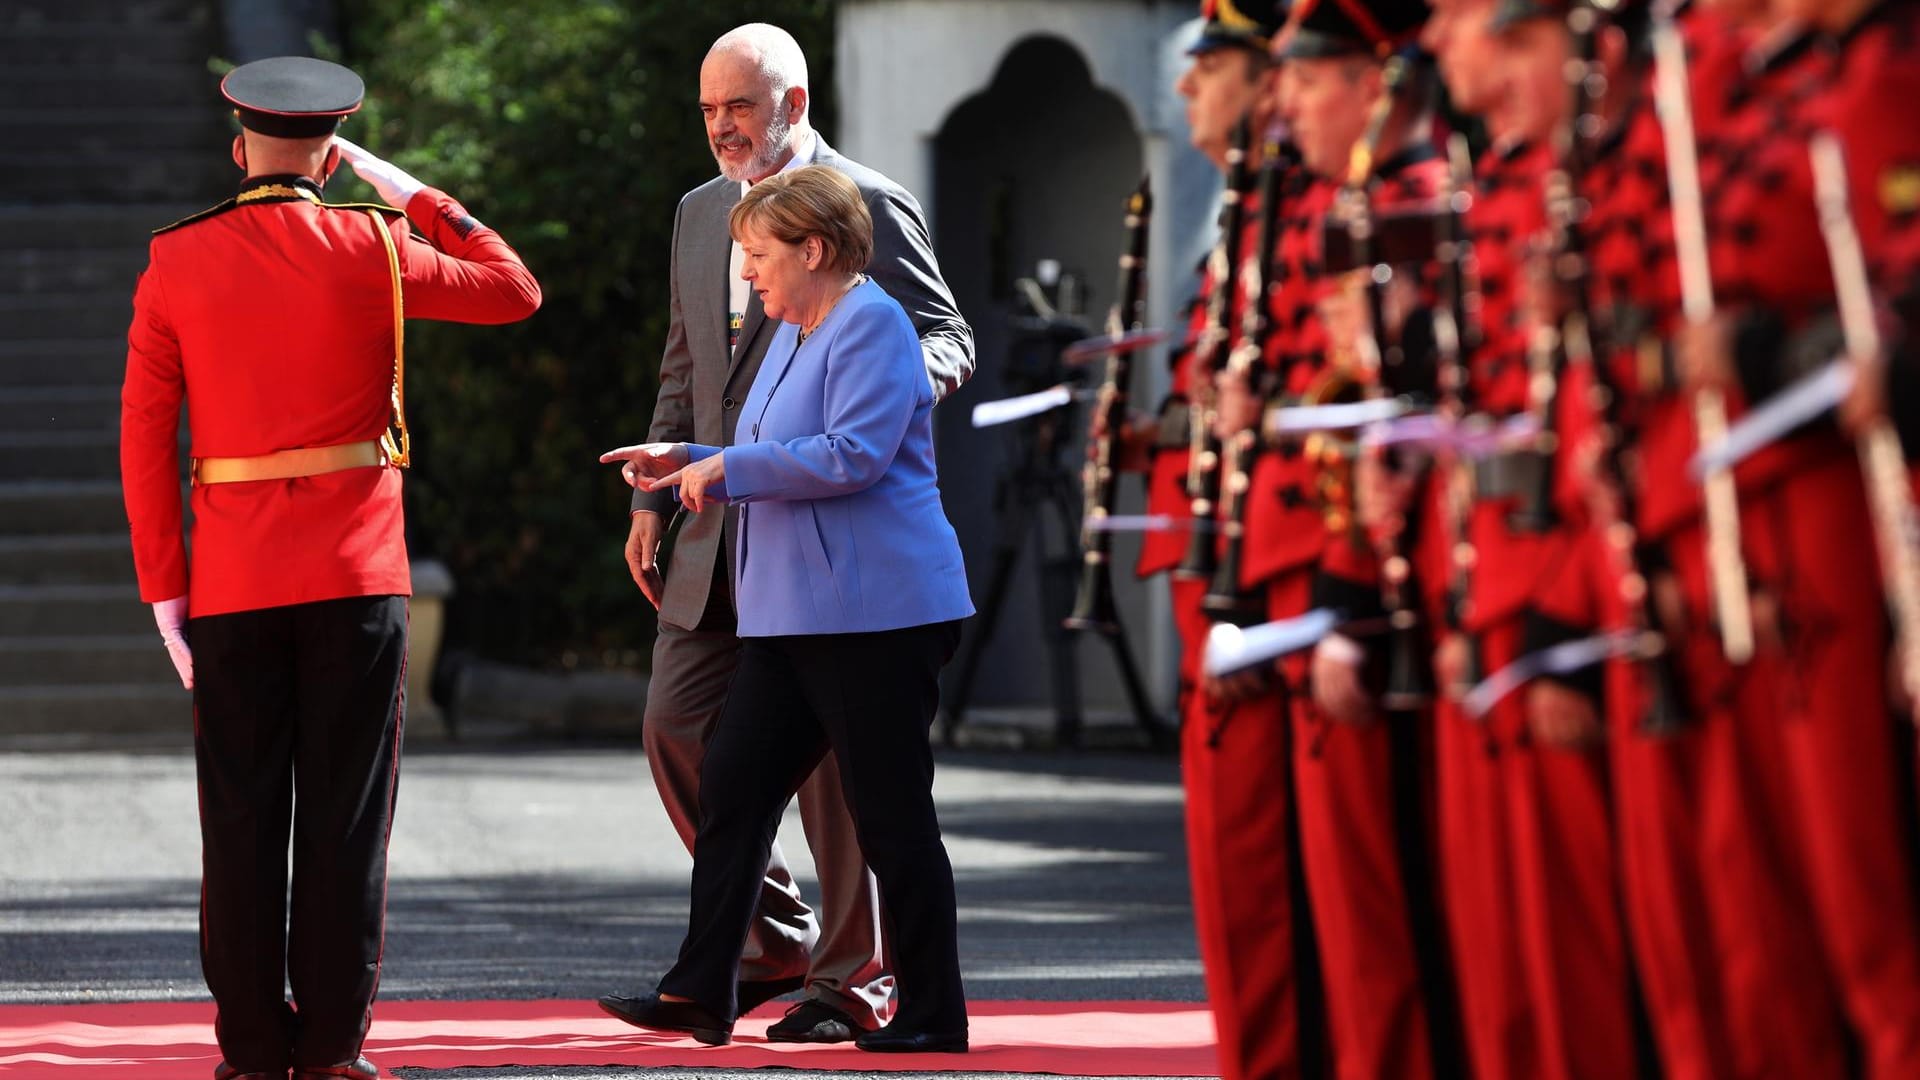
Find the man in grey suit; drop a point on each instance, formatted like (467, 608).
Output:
(753, 94)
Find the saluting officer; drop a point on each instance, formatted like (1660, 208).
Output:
(277, 318)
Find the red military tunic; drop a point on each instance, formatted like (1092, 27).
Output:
(1360, 788)
(271, 317)
(1239, 814)
(1724, 946)
(1841, 805)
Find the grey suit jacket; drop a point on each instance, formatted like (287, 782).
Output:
(702, 385)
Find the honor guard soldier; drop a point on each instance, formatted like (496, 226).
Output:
(1233, 737)
(277, 319)
(1356, 770)
(1833, 777)
(1478, 880)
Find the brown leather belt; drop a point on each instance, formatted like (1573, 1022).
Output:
(288, 464)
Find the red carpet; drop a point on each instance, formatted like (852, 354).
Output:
(174, 1040)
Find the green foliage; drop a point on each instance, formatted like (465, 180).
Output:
(572, 128)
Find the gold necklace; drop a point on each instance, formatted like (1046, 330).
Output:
(858, 280)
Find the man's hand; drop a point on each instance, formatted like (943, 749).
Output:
(171, 617)
(393, 184)
(647, 461)
(1239, 687)
(1562, 717)
(1236, 408)
(1703, 353)
(1865, 404)
(1337, 686)
(643, 544)
(1133, 447)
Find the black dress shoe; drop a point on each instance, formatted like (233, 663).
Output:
(750, 995)
(813, 1021)
(357, 1069)
(681, 1016)
(889, 1040)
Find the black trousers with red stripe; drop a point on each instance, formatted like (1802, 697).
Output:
(297, 719)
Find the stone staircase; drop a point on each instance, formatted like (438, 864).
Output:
(109, 127)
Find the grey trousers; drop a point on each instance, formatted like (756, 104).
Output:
(840, 948)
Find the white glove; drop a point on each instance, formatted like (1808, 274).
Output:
(171, 617)
(393, 183)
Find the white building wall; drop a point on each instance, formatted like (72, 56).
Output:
(904, 65)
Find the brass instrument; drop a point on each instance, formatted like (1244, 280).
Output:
(1726, 568)
(1094, 607)
(1226, 601)
(1896, 525)
(1203, 458)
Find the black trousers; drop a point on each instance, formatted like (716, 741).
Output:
(869, 699)
(297, 721)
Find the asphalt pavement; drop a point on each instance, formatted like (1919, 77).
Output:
(524, 871)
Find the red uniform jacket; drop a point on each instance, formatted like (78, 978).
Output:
(1508, 214)
(1285, 527)
(272, 319)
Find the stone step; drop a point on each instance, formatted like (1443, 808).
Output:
(102, 45)
(132, 131)
(30, 15)
(114, 176)
(95, 314)
(55, 507)
(56, 661)
(98, 709)
(66, 559)
(73, 227)
(72, 610)
(59, 409)
(89, 455)
(76, 362)
(33, 271)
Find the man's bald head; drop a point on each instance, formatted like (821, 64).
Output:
(753, 94)
(771, 50)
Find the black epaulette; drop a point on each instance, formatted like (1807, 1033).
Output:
(217, 208)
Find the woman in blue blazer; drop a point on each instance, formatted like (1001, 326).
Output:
(850, 589)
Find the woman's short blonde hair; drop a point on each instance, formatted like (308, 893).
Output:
(810, 201)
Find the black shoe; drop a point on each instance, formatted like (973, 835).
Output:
(357, 1069)
(889, 1040)
(750, 995)
(814, 1021)
(682, 1016)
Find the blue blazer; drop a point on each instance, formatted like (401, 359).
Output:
(841, 528)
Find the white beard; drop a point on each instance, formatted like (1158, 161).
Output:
(770, 150)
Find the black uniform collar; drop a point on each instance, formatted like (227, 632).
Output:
(285, 187)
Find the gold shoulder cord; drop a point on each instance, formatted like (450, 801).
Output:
(396, 442)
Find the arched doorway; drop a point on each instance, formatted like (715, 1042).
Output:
(1035, 167)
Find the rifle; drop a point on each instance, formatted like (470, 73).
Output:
(1889, 493)
(1727, 571)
